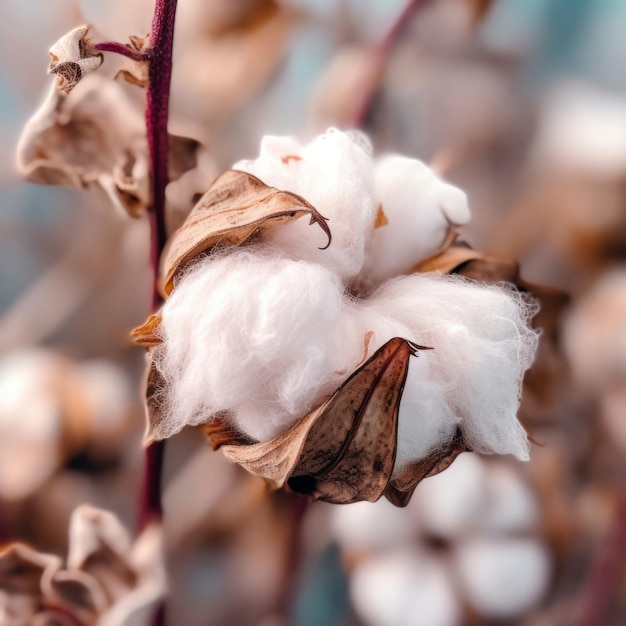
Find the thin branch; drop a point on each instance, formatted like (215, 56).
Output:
(380, 54)
(158, 94)
(299, 506)
(159, 78)
(123, 49)
(604, 579)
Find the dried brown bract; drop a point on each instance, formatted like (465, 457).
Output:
(73, 56)
(235, 208)
(95, 138)
(106, 580)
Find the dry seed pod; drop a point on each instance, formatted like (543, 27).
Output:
(235, 208)
(71, 57)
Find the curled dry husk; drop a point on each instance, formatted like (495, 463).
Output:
(343, 451)
(95, 137)
(105, 580)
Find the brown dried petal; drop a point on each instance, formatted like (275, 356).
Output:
(147, 335)
(345, 450)
(22, 568)
(235, 208)
(350, 450)
(460, 259)
(403, 484)
(95, 137)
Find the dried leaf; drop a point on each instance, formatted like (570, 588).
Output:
(136, 72)
(350, 449)
(273, 460)
(106, 581)
(235, 208)
(344, 451)
(221, 433)
(96, 137)
(404, 482)
(147, 335)
(472, 263)
(21, 568)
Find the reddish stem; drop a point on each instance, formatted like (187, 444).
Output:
(605, 576)
(380, 54)
(120, 48)
(157, 97)
(299, 505)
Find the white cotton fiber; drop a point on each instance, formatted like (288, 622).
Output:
(503, 578)
(404, 587)
(334, 174)
(481, 347)
(256, 334)
(419, 208)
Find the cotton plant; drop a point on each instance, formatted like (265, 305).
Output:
(296, 319)
(470, 542)
(299, 336)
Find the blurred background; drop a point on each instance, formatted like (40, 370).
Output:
(522, 103)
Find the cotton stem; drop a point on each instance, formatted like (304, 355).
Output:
(380, 54)
(120, 48)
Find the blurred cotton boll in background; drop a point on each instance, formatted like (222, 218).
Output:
(469, 543)
(52, 408)
(595, 341)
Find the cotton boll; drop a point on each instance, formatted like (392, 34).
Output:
(372, 525)
(275, 165)
(481, 347)
(255, 334)
(451, 504)
(30, 422)
(334, 174)
(108, 404)
(512, 506)
(419, 209)
(503, 578)
(404, 588)
(595, 334)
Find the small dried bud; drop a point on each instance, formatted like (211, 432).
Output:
(71, 57)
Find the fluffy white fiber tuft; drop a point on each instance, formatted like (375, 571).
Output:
(334, 174)
(254, 333)
(420, 209)
(267, 338)
(481, 347)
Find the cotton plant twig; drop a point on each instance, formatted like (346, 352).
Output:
(380, 54)
(604, 578)
(159, 78)
(123, 49)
